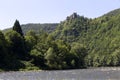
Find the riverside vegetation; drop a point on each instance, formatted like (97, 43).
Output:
(77, 42)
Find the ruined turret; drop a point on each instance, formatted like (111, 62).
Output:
(73, 16)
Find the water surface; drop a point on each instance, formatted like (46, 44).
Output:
(80, 74)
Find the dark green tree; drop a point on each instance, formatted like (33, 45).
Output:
(3, 50)
(80, 52)
(16, 42)
(30, 39)
(17, 27)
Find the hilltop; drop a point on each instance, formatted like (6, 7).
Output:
(100, 36)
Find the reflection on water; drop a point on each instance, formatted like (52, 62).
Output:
(83, 74)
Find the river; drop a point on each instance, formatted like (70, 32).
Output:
(80, 74)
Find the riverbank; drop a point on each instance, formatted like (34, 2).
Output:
(91, 68)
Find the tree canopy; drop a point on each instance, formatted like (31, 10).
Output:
(77, 42)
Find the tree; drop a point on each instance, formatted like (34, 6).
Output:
(17, 27)
(37, 58)
(57, 55)
(17, 46)
(80, 52)
(50, 57)
(3, 50)
(30, 39)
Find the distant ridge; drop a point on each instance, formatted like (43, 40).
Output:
(47, 27)
(113, 12)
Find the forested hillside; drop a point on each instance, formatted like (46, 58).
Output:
(100, 36)
(47, 27)
(77, 42)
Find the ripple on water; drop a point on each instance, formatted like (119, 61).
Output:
(83, 74)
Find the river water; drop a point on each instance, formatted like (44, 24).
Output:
(80, 74)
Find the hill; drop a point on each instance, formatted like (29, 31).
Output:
(77, 42)
(101, 37)
(47, 27)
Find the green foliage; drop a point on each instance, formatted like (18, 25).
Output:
(16, 44)
(47, 27)
(17, 27)
(80, 52)
(3, 50)
(78, 42)
(30, 39)
(28, 66)
(56, 56)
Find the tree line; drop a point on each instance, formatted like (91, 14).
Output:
(38, 51)
(78, 42)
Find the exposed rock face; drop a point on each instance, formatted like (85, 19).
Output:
(73, 16)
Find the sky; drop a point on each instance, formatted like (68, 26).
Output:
(51, 11)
